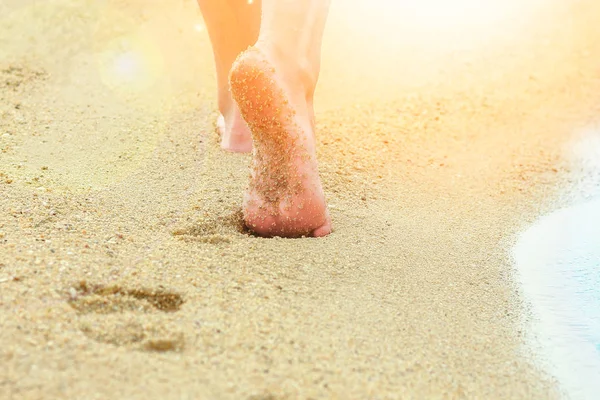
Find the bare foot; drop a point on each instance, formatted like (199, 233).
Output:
(235, 134)
(285, 197)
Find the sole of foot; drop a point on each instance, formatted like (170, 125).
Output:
(285, 197)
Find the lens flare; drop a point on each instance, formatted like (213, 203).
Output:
(127, 65)
(130, 65)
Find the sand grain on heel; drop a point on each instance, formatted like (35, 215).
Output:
(285, 197)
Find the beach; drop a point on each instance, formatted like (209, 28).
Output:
(125, 269)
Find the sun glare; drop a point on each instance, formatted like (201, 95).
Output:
(447, 20)
(444, 14)
(128, 65)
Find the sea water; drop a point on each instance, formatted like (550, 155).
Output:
(558, 266)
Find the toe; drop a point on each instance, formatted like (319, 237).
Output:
(324, 229)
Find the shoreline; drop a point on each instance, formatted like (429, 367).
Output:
(560, 247)
(561, 331)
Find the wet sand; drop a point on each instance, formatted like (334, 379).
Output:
(123, 269)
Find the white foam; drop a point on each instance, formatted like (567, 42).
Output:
(558, 265)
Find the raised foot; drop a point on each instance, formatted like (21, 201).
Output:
(285, 196)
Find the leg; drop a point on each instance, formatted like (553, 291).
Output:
(232, 26)
(273, 84)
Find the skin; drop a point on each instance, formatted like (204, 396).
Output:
(233, 26)
(272, 84)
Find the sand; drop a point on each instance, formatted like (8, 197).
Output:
(124, 272)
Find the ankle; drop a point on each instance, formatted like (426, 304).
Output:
(300, 69)
(225, 101)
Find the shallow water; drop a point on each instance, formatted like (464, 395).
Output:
(558, 261)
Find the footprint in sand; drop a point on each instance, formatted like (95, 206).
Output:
(16, 76)
(213, 229)
(127, 317)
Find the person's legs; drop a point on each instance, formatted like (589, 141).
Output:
(233, 25)
(273, 84)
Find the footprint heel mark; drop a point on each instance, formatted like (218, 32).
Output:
(213, 230)
(16, 76)
(264, 396)
(115, 331)
(175, 343)
(128, 317)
